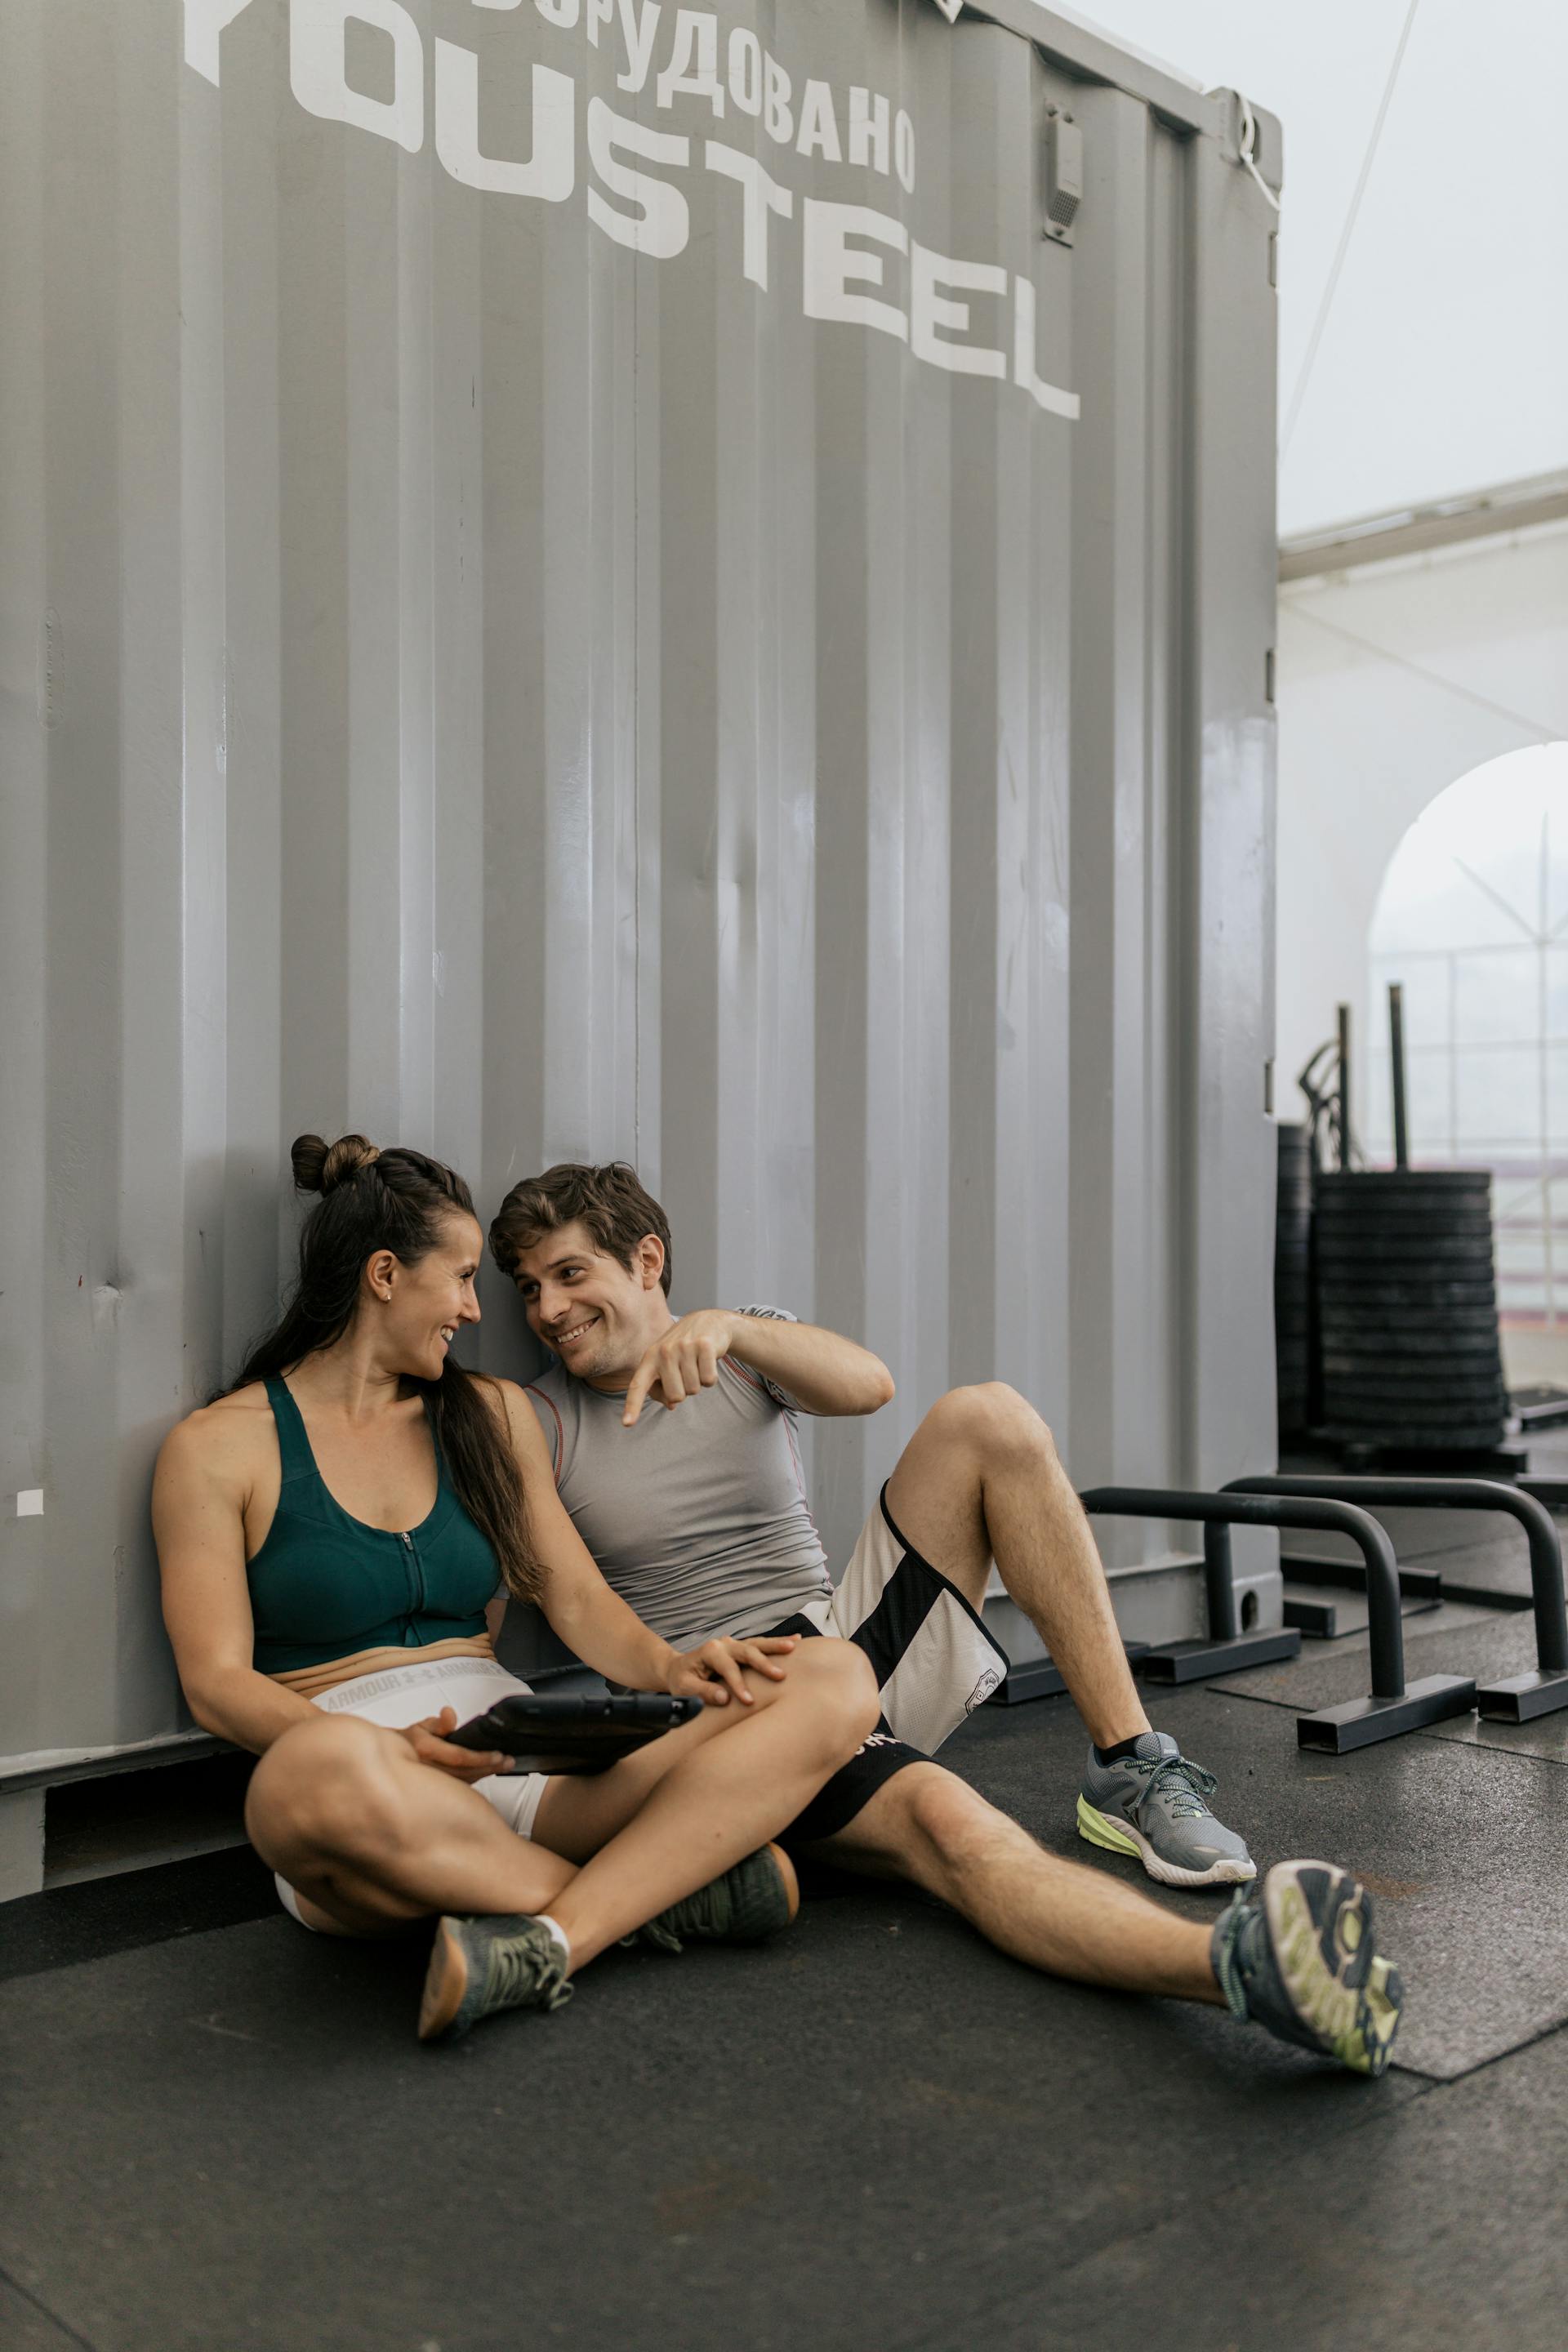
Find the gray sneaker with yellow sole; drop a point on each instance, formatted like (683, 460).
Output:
(1298, 1958)
(1153, 1804)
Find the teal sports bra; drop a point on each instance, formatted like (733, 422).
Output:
(325, 1586)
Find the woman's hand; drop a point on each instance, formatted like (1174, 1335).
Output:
(715, 1670)
(463, 1763)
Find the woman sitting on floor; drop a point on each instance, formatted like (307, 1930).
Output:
(332, 1533)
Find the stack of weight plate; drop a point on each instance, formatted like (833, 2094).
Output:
(1293, 1281)
(1407, 1311)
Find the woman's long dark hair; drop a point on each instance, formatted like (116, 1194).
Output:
(397, 1200)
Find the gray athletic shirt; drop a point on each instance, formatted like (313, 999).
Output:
(697, 1518)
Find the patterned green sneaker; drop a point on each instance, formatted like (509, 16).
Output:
(504, 1960)
(753, 1901)
(1299, 1958)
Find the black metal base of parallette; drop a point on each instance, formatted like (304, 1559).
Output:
(1520, 1698)
(1350, 1575)
(1337, 1620)
(1362, 1722)
(1420, 1588)
(1039, 1678)
(1195, 1662)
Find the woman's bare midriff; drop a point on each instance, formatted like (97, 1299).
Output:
(311, 1681)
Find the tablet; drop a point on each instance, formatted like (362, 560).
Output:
(560, 1732)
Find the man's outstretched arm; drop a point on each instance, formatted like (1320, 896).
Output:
(824, 1373)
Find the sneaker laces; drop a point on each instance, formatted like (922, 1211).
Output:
(655, 1937)
(1225, 1957)
(519, 1969)
(1182, 1783)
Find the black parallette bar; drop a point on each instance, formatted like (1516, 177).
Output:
(1390, 1709)
(1230, 1509)
(1291, 1509)
(1497, 1701)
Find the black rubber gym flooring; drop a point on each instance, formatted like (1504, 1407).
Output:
(878, 2135)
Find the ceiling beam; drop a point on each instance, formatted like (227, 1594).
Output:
(1416, 531)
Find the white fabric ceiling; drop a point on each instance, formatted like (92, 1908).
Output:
(1442, 365)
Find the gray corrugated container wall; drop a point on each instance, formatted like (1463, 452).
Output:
(531, 662)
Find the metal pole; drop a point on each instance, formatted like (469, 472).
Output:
(1344, 1094)
(1396, 1051)
(1219, 1581)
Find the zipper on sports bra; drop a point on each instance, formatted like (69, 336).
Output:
(412, 1548)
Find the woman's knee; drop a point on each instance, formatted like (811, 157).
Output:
(326, 1788)
(838, 1677)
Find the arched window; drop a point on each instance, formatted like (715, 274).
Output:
(1472, 919)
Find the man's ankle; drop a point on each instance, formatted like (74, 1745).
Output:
(1119, 1747)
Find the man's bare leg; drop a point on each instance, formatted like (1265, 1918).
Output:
(980, 1481)
(1301, 1961)
(928, 1826)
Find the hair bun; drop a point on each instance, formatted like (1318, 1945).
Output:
(320, 1167)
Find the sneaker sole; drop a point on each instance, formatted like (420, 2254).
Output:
(1385, 2002)
(777, 1906)
(446, 1982)
(1120, 1837)
(1361, 2036)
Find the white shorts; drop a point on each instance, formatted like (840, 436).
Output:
(935, 1658)
(399, 1695)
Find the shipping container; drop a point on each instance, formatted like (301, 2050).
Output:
(584, 579)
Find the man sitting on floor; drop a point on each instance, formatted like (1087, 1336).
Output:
(699, 1517)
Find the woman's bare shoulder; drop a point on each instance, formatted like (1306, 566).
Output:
(510, 1406)
(223, 1435)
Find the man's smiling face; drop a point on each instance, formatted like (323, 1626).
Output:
(599, 1316)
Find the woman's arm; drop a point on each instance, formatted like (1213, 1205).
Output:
(595, 1622)
(198, 1522)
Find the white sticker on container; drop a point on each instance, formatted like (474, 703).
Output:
(30, 1503)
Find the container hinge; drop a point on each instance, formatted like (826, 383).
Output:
(1064, 173)
(1246, 146)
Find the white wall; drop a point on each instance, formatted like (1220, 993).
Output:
(1442, 353)
(1392, 682)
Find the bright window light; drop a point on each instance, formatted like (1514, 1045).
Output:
(1472, 921)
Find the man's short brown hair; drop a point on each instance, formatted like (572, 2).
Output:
(609, 1201)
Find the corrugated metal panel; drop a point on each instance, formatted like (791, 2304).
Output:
(472, 680)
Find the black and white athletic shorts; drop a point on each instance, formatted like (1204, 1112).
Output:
(935, 1660)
